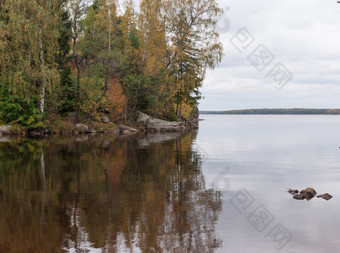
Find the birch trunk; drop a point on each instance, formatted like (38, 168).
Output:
(43, 80)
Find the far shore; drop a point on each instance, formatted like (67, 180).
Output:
(292, 111)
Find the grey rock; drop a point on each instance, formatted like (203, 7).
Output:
(5, 129)
(81, 128)
(106, 119)
(158, 125)
(143, 118)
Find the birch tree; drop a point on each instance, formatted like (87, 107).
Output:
(29, 44)
(193, 44)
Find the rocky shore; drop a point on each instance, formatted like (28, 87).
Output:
(144, 123)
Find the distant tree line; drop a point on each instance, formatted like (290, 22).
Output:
(276, 111)
(93, 58)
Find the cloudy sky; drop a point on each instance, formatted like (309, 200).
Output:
(304, 36)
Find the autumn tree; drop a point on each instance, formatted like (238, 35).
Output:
(193, 45)
(101, 47)
(153, 50)
(131, 62)
(97, 59)
(28, 47)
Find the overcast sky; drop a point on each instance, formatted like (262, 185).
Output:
(303, 35)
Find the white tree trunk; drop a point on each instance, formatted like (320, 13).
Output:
(43, 80)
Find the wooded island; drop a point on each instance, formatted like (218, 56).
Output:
(95, 59)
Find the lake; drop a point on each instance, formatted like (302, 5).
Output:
(222, 188)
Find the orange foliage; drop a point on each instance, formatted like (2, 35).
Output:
(116, 101)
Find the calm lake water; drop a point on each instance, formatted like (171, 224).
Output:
(221, 189)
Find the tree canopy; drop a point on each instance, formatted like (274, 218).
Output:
(96, 58)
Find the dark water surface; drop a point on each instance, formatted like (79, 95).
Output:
(222, 189)
(105, 194)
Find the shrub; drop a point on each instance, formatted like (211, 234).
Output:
(21, 111)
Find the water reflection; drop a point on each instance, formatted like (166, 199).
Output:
(101, 194)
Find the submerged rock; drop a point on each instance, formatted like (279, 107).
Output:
(293, 191)
(325, 196)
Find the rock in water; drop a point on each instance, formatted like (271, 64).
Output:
(325, 196)
(293, 191)
(309, 193)
(299, 196)
(158, 125)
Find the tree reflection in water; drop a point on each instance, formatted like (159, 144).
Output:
(144, 193)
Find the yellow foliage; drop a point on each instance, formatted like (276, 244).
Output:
(116, 101)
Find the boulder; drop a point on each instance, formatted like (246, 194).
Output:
(7, 129)
(158, 125)
(81, 128)
(143, 118)
(325, 196)
(309, 193)
(106, 120)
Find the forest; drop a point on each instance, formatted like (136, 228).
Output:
(102, 58)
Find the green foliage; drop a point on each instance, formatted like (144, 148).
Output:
(21, 111)
(68, 89)
(134, 39)
(67, 56)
